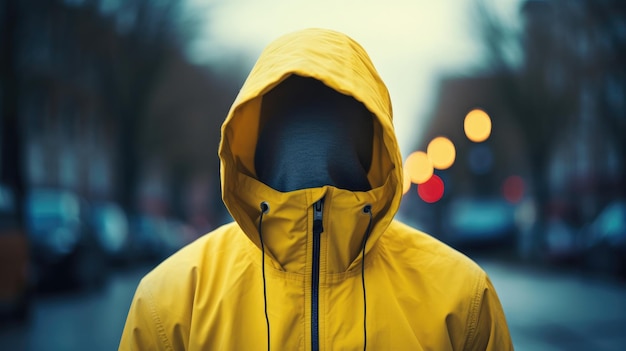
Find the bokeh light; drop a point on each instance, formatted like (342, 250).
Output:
(477, 125)
(432, 190)
(513, 189)
(441, 152)
(419, 167)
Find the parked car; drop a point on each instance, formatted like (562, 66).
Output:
(66, 253)
(110, 225)
(606, 240)
(563, 241)
(156, 238)
(479, 222)
(15, 282)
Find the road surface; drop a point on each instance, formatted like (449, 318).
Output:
(546, 311)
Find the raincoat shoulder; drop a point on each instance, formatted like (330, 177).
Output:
(462, 293)
(161, 315)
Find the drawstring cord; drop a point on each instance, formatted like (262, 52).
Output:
(264, 209)
(367, 210)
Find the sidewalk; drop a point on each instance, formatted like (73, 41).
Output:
(550, 310)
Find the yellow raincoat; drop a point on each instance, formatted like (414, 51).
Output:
(411, 293)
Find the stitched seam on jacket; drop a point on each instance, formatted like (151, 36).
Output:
(157, 321)
(474, 311)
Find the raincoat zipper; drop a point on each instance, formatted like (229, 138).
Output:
(317, 233)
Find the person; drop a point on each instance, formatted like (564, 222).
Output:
(311, 173)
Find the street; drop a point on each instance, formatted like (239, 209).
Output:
(549, 310)
(76, 321)
(546, 311)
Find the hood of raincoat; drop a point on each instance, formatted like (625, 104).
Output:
(341, 64)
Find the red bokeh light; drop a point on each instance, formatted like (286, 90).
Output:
(432, 190)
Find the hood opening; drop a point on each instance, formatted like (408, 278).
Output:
(310, 136)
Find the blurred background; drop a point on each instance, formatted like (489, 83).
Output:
(511, 117)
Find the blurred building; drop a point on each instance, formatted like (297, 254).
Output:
(101, 109)
(104, 98)
(69, 130)
(573, 79)
(558, 123)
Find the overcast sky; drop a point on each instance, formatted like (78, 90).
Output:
(411, 42)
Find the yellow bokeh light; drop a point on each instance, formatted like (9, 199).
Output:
(441, 152)
(406, 182)
(477, 125)
(419, 167)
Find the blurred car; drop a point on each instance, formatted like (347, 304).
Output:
(605, 240)
(479, 222)
(110, 225)
(563, 241)
(15, 283)
(146, 237)
(156, 238)
(65, 251)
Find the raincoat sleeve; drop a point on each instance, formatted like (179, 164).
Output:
(488, 326)
(144, 329)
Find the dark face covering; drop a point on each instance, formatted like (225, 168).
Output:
(313, 136)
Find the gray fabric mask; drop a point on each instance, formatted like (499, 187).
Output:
(311, 136)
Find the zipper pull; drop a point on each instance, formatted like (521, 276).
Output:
(318, 207)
